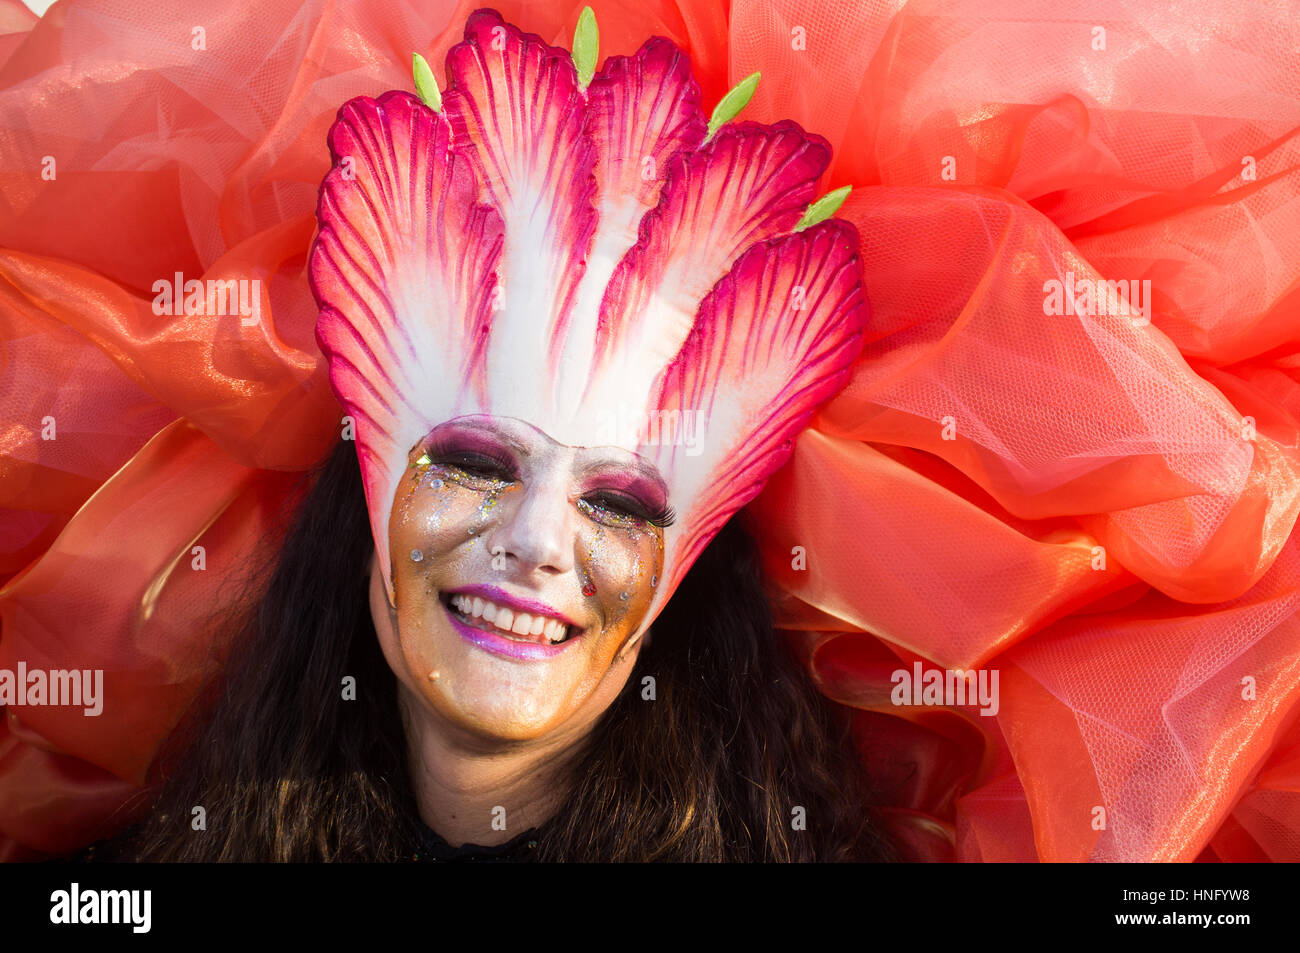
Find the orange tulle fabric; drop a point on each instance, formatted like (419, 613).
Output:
(1099, 508)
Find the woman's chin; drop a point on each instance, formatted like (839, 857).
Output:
(481, 708)
(492, 693)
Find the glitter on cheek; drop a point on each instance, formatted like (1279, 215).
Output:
(489, 504)
(487, 509)
(432, 510)
(427, 499)
(616, 568)
(597, 558)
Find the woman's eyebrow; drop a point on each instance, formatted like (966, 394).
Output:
(473, 427)
(518, 446)
(646, 470)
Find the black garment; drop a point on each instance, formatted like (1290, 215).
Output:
(428, 847)
(116, 849)
(432, 849)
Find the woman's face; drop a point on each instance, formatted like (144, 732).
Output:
(521, 570)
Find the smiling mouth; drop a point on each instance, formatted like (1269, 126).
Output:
(499, 620)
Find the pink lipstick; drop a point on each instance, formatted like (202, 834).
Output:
(514, 603)
(485, 635)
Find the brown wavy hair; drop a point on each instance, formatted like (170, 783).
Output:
(711, 770)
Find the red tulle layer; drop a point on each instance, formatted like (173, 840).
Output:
(1097, 506)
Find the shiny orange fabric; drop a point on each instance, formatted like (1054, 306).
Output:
(949, 507)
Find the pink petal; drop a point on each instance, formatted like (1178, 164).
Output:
(641, 110)
(762, 357)
(402, 270)
(517, 113)
(749, 183)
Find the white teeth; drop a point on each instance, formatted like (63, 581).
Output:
(516, 623)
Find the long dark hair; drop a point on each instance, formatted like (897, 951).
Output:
(714, 768)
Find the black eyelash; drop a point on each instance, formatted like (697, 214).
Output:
(660, 516)
(448, 454)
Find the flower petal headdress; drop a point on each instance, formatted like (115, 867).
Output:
(579, 249)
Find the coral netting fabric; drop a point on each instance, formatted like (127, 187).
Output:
(1098, 508)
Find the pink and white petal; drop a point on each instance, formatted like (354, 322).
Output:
(641, 110)
(776, 338)
(517, 113)
(402, 270)
(749, 183)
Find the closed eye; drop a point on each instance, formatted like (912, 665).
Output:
(474, 462)
(627, 505)
(479, 464)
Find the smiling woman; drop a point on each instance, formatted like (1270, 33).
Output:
(521, 550)
(545, 655)
(613, 307)
(706, 741)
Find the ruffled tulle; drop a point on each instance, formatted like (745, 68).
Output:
(1097, 507)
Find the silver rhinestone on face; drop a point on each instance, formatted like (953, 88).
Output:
(416, 555)
(654, 581)
(623, 596)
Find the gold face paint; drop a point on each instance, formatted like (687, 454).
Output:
(495, 524)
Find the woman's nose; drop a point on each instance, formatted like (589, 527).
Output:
(535, 530)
